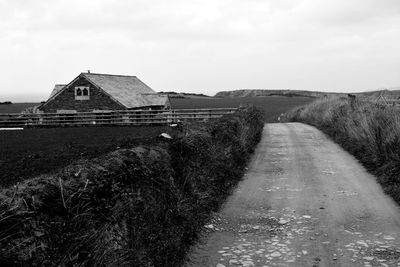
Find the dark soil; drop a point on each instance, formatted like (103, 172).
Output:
(31, 152)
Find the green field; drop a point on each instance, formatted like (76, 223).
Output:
(16, 107)
(271, 106)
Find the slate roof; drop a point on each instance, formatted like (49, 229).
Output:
(127, 90)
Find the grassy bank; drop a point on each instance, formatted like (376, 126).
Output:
(369, 131)
(142, 206)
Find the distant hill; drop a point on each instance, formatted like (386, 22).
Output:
(183, 95)
(393, 93)
(273, 92)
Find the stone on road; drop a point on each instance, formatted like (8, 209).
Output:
(303, 201)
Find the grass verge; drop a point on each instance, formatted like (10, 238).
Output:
(142, 206)
(369, 131)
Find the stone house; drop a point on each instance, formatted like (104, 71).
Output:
(91, 92)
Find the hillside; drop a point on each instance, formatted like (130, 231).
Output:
(272, 92)
(389, 94)
(173, 94)
(393, 93)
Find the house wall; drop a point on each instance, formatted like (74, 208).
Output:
(66, 100)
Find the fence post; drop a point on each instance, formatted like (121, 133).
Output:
(123, 117)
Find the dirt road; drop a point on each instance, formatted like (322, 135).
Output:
(303, 202)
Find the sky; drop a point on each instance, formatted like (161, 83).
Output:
(200, 46)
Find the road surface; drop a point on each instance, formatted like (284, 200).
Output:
(303, 201)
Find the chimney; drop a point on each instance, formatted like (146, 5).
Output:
(88, 71)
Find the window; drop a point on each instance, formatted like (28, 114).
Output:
(82, 93)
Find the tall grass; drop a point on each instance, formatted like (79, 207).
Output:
(142, 206)
(371, 132)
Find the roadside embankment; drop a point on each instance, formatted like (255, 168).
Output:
(369, 131)
(142, 206)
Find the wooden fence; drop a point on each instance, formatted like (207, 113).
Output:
(112, 118)
(392, 102)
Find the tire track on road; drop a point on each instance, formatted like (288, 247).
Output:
(303, 202)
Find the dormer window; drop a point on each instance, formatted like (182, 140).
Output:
(82, 93)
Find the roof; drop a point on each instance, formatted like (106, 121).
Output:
(154, 100)
(57, 88)
(127, 90)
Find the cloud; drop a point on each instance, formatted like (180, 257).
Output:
(347, 12)
(176, 43)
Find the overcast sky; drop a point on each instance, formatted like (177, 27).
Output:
(201, 46)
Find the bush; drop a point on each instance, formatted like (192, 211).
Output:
(371, 132)
(136, 207)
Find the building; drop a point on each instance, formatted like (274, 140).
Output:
(90, 92)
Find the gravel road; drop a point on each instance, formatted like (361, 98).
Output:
(303, 201)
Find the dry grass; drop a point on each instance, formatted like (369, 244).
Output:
(369, 131)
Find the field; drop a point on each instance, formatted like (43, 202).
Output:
(271, 106)
(16, 107)
(32, 152)
(37, 151)
(139, 207)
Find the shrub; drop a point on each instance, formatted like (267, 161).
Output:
(136, 207)
(371, 132)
